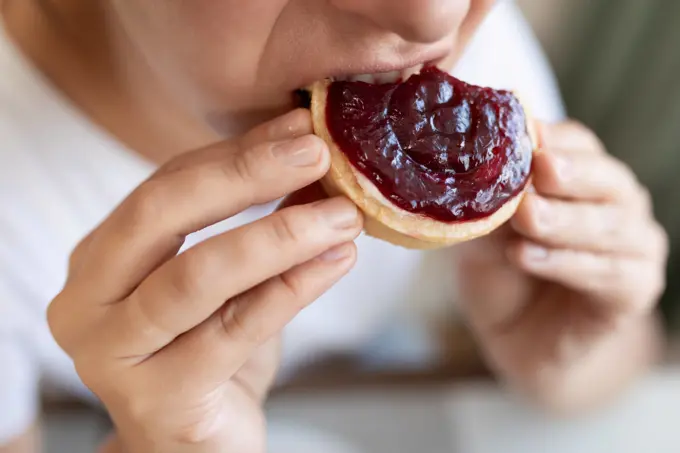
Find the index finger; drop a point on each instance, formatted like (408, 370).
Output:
(569, 136)
(150, 226)
(588, 177)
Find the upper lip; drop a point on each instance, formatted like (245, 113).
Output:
(384, 64)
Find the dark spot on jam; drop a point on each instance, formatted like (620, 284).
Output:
(302, 99)
(434, 145)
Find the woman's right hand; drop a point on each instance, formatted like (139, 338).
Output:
(181, 349)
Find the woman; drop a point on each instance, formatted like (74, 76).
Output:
(128, 126)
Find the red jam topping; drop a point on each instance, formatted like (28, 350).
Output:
(434, 145)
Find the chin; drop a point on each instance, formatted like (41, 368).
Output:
(233, 122)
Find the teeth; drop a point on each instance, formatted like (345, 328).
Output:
(384, 77)
(388, 77)
(408, 72)
(367, 78)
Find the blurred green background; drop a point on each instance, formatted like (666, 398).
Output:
(618, 63)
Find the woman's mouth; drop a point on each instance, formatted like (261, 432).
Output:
(382, 70)
(381, 77)
(377, 74)
(302, 96)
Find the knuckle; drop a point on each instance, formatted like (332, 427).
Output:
(136, 400)
(199, 431)
(77, 256)
(66, 327)
(657, 242)
(284, 226)
(596, 143)
(246, 165)
(646, 200)
(627, 174)
(549, 220)
(179, 163)
(290, 285)
(556, 184)
(590, 137)
(609, 224)
(234, 324)
(577, 127)
(657, 286)
(575, 124)
(181, 284)
(613, 272)
(663, 241)
(147, 203)
(240, 168)
(619, 269)
(627, 184)
(140, 318)
(72, 325)
(138, 408)
(536, 222)
(91, 377)
(197, 158)
(555, 179)
(527, 218)
(55, 319)
(191, 268)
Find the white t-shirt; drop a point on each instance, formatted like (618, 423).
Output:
(60, 175)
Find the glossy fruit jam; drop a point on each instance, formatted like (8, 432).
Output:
(433, 144)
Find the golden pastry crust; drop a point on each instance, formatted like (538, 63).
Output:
(384, 220)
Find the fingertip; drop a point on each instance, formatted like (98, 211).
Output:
(296, 123)
(343, 254)
(307, 152)
(522, 219)
(549, 171)
(291, 150)
(293, 124)
(343, 204)
(325, 151)
(542, 130)
(543, 162)
(302, 115)
(527, 255)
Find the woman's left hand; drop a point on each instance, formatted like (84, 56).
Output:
(561, 298)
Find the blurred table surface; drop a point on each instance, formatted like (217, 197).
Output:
(455, 408)
(462, 364)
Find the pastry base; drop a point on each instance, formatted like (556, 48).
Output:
(383, 219)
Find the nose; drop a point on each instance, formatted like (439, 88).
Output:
(422, 21)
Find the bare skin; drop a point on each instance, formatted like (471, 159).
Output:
(577, 274)
(29, 442)
(561, 272)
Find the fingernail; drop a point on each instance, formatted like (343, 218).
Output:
(564, 168)
(293, 124)
(336, 253)
(542, 212)
(339, 213)
(300, 152)
(536, 253)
